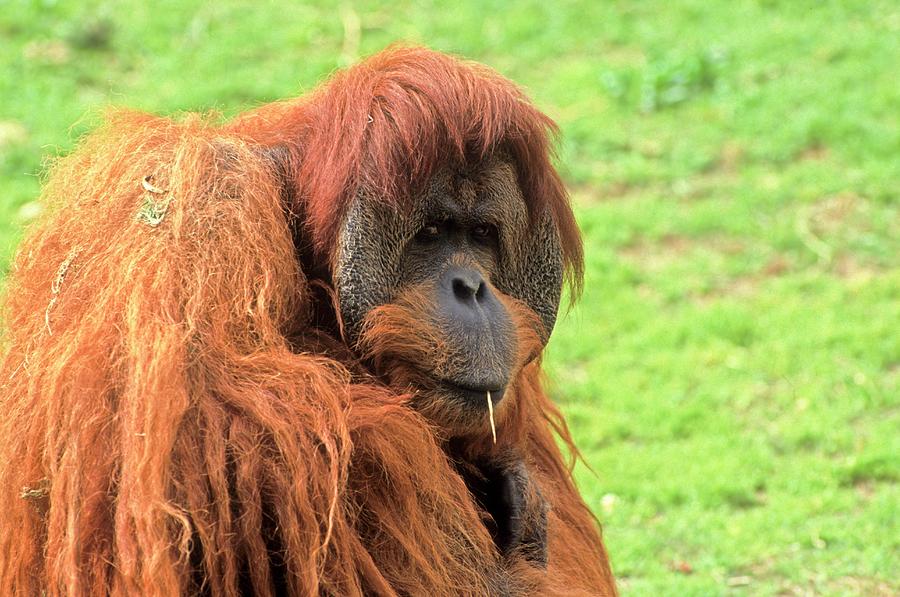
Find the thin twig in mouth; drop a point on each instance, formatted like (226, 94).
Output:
(491, 416)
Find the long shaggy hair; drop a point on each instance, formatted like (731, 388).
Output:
(173, 423)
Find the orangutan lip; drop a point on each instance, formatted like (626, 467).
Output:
(472, 393)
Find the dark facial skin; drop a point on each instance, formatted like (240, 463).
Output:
(466, 248)
(456, 252)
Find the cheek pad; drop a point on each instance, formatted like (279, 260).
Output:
(533, 273)
(371, 242)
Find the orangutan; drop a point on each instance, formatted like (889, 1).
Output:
(298, 353)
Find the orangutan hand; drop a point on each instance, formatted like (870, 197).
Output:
(506, 490)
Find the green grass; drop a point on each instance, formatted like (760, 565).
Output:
(732, 373)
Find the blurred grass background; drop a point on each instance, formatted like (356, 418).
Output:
(731, 373)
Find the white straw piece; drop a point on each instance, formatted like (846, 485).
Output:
(491, 416)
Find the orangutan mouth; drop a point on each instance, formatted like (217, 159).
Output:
(472, 396)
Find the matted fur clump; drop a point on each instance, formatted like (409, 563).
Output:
(171, 426)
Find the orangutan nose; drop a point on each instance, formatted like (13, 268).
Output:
(468, 285)
(468, 300)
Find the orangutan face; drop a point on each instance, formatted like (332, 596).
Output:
(453, 295)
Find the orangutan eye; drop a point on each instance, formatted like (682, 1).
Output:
(484, 233)
(429, 232)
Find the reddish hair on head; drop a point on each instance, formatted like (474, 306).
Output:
(387, 123)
